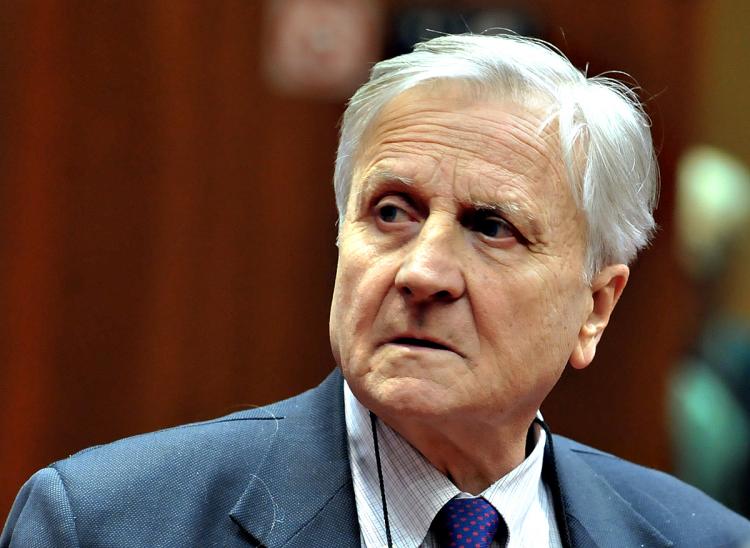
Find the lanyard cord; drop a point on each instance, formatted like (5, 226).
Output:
(386, 522)
(552, 479)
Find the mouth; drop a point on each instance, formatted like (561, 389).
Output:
(421, 343)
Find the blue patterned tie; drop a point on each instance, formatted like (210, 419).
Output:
(469, 523)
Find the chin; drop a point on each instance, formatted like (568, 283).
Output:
(406, 397)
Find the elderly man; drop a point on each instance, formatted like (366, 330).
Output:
(490, 199)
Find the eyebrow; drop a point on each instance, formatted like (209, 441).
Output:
(378, 176)
(510, 209)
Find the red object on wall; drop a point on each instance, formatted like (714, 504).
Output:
(321, 47)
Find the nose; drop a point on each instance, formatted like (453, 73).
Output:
(431, 270)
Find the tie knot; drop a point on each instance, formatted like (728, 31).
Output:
(470, 523)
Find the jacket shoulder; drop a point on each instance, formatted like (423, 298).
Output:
(212, 443)
(678, 510)
(166, 488)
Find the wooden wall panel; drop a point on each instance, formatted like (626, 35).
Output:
(34, 96)
(167, 224)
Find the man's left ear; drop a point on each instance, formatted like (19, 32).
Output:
(606, 288)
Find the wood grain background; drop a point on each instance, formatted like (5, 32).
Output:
(167, 223)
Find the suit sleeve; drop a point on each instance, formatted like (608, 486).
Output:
(41, 516)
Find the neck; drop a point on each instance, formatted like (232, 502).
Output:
(472, 457)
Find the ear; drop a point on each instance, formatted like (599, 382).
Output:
(606, 288)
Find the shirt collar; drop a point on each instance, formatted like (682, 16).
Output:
(416, 491)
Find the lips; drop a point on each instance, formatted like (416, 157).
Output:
(422, 342)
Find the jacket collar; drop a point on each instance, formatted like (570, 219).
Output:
(590, 512)
(302, 489)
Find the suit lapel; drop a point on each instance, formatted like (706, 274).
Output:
(590, 512)
(302, 494)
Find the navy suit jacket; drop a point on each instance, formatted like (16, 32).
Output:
(279, 476)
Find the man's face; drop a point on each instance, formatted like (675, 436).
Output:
(460, 287)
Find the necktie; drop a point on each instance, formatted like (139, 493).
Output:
(470, 523)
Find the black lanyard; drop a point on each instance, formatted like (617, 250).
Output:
(386, 521)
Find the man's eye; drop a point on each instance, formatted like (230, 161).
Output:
(391, 213)
(494, 227)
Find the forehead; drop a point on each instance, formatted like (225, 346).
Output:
(445, 121)
(446, 138)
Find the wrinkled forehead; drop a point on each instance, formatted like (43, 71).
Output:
(457, 118)
(460, 95)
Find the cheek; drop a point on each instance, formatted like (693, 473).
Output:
(562, 319)
(343, 308)
(530, 323)
(504, 316)
(362, 284)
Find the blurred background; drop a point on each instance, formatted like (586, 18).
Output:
(167, 221)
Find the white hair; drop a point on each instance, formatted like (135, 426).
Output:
(604, 133)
